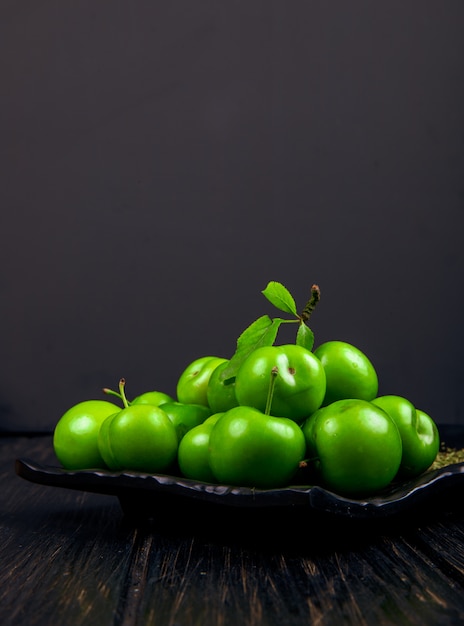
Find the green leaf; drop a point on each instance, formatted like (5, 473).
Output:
(305, 336)
(261, 332)
(280, 297)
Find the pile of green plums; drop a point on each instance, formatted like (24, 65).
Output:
(287, 408)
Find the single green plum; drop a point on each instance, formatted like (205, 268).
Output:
(193, 453)
(354, 446)
(419, 434)
(185, 416)
(349, 372)
(299, 385)
(250, 449)
(75, 437)
(220, 394)
(155, 398)
(192, 384)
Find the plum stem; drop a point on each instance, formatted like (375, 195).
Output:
(110, 392)
(270, 393)
(122, 384)
(311, 304)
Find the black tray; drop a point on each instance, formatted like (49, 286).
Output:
(163, 496)
(148, 495)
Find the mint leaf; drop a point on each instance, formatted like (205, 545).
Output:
(305, 336)
(261, 332)
(280, 297)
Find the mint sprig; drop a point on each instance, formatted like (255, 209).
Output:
(263, 331)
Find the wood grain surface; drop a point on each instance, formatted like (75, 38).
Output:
(73, 558)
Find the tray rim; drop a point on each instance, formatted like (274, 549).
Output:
(130, 486)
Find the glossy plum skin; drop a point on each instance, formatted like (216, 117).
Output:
(193, 453)
(185, 416)
(75, 438)
(155, 398)
(220, 394)
(300, 383)
(355, 446)
(419, 434)
(192, 384)
(250, 449)
(140, 438)
(349, 372)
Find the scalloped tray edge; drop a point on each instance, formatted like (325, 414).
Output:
(130, 486)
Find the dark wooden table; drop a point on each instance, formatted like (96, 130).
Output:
(71, 557)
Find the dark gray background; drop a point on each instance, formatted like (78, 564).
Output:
(160, 162)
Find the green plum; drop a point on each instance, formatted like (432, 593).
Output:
(419, 434)
(349, 372)
(138, 437)
(75, 437)
(299, 386)
(220, 394)
(193, 382)
(185, 416)
(249, 448)
(193, 453)
(354, 446)
(155, 398)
